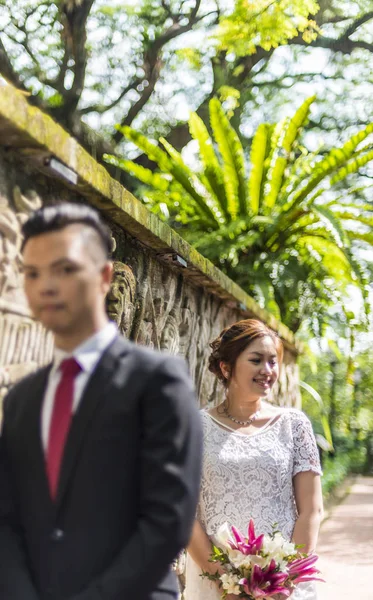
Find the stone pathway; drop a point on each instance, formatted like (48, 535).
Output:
(346, 547)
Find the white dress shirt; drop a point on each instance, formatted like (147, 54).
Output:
(87, 355)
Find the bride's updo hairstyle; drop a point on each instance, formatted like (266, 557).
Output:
(233, 340)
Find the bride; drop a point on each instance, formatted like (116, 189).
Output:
(260, 461)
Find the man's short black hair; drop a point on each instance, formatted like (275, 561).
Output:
(59, 216)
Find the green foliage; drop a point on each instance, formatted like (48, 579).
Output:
(322, 411)
(278, 228)
(348, 459)
(266, 24)
(343, 375)
(335, 471)
(233, 161)
(77, 62)
(259, 153)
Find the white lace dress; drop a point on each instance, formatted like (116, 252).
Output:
(251, 476)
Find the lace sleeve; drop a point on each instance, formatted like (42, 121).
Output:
(305, 453)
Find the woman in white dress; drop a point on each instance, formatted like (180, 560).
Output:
(260, 461)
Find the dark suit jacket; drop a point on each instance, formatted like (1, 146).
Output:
(128, 487)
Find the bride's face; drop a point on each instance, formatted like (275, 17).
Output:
(256, 369)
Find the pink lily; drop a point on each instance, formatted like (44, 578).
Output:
(265, 583)
(301, 563)
(249, 545)
(301, 569)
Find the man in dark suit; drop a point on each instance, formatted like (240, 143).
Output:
(100, 452)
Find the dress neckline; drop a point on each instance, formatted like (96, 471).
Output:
(275, 419)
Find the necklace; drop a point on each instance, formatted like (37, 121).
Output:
(245, 423)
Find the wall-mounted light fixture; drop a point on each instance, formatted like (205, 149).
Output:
(61, 170)
(174, 258)
(178, 260)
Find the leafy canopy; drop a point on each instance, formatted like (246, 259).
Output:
(266, 24)
(280, 228)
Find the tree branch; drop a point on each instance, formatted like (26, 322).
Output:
(248, 63)
(167, 9)
(342, 44)
(294, 78)
(336, 124)
(357, 23)
(22, 28)
(6, 69)
(59, 83)
(345, 46)
(195, 10)
(137, 106)
(152, 64)
(152, 69)
(332, 20)
(75, 17)
(101, 108)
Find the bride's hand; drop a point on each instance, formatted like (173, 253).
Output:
(277, 597)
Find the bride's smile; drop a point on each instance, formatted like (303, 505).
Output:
(254, 373)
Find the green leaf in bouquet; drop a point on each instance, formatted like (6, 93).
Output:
(218, 555)
(274, 530)
(211, 576)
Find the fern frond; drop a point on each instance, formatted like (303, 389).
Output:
(158, 181)
(214, 178)
(334, 259)
(296, 123)
(352, 167)
(356, 217)
(232, 154)
(190, 182)
(334, 160)
(260, 149)
(268, 294)
(299, 171)
(366, 237)
(152, 151)
(281, 154)
(331, 221)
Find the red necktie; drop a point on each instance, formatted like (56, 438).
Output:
(60, 422)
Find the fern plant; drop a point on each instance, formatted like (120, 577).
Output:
(271, 222)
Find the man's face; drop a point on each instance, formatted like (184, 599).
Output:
(66, 279)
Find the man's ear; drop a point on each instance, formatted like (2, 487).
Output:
(107, 275)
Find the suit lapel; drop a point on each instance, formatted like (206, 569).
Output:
(97, 388)
(33, 434)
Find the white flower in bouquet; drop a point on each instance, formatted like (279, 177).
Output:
(236, 557)
(230, 583)
(225, 537)
(277, 547)
(241, 561)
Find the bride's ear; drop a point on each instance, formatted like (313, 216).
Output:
(224, 369)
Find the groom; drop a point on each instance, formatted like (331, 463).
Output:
(100, 451)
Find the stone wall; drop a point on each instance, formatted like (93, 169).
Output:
(156, 298)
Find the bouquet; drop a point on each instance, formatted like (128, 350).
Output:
(260, 567)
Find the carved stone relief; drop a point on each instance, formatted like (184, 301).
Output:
(11, 221)
(120, 301)
(25, 345)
